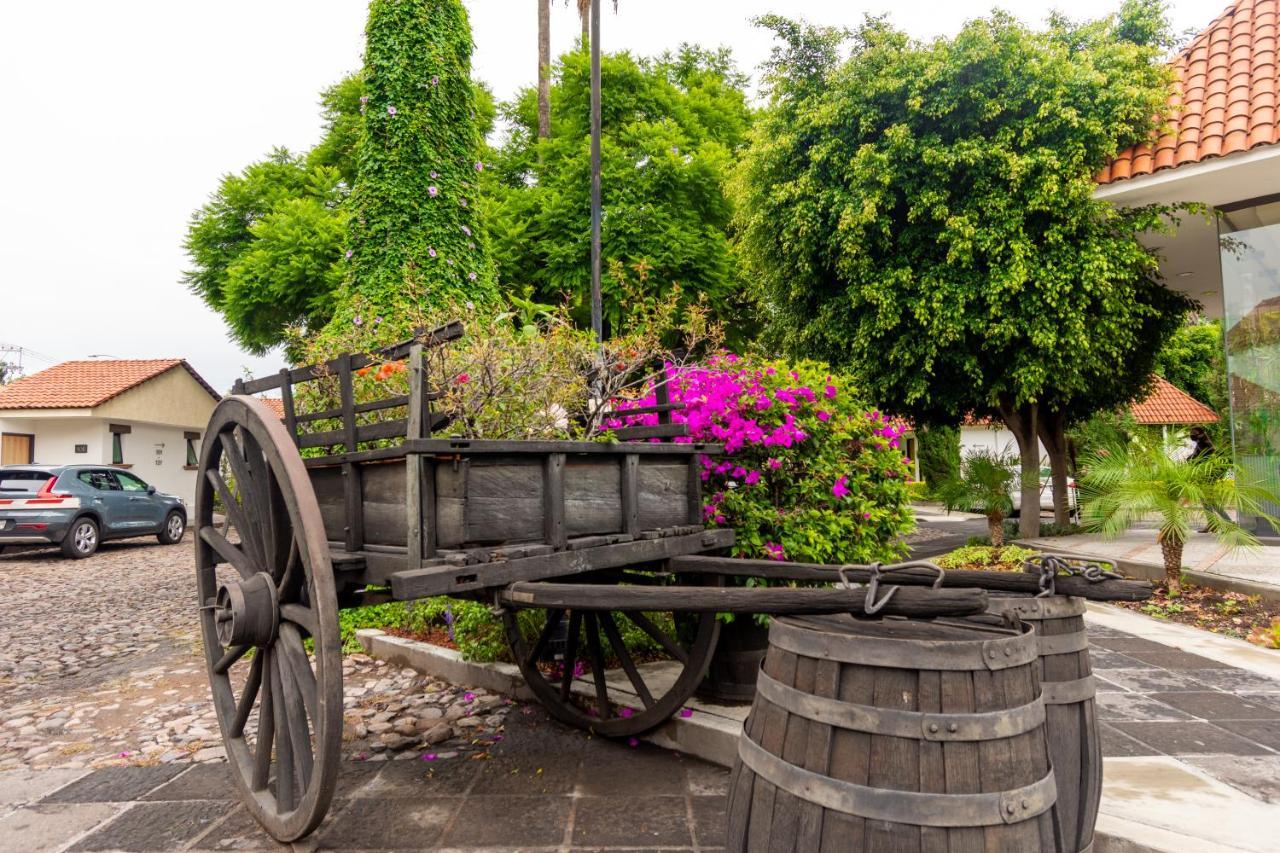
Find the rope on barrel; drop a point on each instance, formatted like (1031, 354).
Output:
(877, 571)
(1050, 566)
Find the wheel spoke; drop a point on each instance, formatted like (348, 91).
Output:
(570, 654)
(291, 567)
(296, 718)
(251, 509)
(266, 726)
(659, 636)
(597, 666)
(299, 615)
(295, 655)
(229, 657)
(229, 553)
(260, 488)
(284, 739)
(624, 657)
(245, 706)
(234, 514)
(554, 618)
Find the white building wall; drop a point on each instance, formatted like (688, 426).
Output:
(56, 439)
(994, 439)
(158, 454)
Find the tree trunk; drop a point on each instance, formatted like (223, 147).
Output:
(544, 68)
(1023, 422)
(584, 15)
(995, 528)
(1171, 550)
(1053, 435)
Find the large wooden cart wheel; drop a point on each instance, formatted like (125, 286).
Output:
(269, 619)
(558, 650)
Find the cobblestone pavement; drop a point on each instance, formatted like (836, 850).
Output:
(544, 787)
(100, 666)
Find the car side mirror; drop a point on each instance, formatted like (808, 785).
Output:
(151, 490)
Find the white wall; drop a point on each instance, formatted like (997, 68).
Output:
(995, 439)
(157, 454)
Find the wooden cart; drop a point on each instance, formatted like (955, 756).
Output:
(566, 540)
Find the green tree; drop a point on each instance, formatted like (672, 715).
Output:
(925, 214)
(939, 453)
(671, 130)
(1192, 359)
(415, 226)
(1128, 482)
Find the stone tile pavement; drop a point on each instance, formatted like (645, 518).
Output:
(544, 787)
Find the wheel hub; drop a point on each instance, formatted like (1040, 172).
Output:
(247, 612)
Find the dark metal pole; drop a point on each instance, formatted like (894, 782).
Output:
(597, 306)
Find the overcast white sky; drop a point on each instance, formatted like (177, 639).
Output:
(121, 117)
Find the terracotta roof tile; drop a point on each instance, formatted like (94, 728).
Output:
(1168, 404)
(275, 404)
(86, 384)
(1224, 96)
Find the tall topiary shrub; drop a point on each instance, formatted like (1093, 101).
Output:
(415, 232)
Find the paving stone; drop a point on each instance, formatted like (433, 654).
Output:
(1216, 706)
(378, 824)
(639, 821)
(115, 784)
(1127, 643)
(1151, 680)
(1177, 660)
(504, 820)
(1236, 680)
(548, 775)
(636, 772)
(1190, 738)
(708, 821)
(414, 779)
(1104, 660)
(1135, 706)
(1105, 685)
(38, 828)
(707, 780)
(1117, 744)
(1265, 732)
(155, 826)
(27, 786)
(1258, 776)
(202, 782)
(240, 832)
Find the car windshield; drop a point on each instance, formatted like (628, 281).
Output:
(23, 481)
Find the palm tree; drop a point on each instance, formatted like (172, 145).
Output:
(983, 486)
(1127, 482)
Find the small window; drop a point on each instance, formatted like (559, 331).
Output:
(100, 480)
(192, 458)
(117, 448)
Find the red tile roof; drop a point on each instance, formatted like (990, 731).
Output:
(86, 384)
(1224, 98)
(1168, 404)
(275, 404)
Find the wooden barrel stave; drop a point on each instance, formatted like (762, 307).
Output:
(763, 816)
(1075, 747)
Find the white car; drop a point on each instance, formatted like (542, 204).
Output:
(1046, 493)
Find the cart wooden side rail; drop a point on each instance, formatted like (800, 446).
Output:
(576, 544)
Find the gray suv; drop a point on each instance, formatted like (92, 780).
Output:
(80, 506)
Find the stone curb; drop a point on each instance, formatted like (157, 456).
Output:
(707, 734)
(1153, 572)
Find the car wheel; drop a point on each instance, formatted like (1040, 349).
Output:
(81, 540)
(174, 526)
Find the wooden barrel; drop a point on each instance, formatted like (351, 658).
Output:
(1066, 682)
(894, 735)
(731, 677)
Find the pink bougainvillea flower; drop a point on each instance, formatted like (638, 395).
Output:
(774, 463)
(391, 111)
(829, 392)
(462, 379)
(841, 487)
(769, 371)
(775, 551)
(431, 251)
(433, 191)
(428, 756)
(824, 416)
(625, 712)
(763, 403)
(632, 742)
(686, 712)
(866, 515)
(752, 478)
